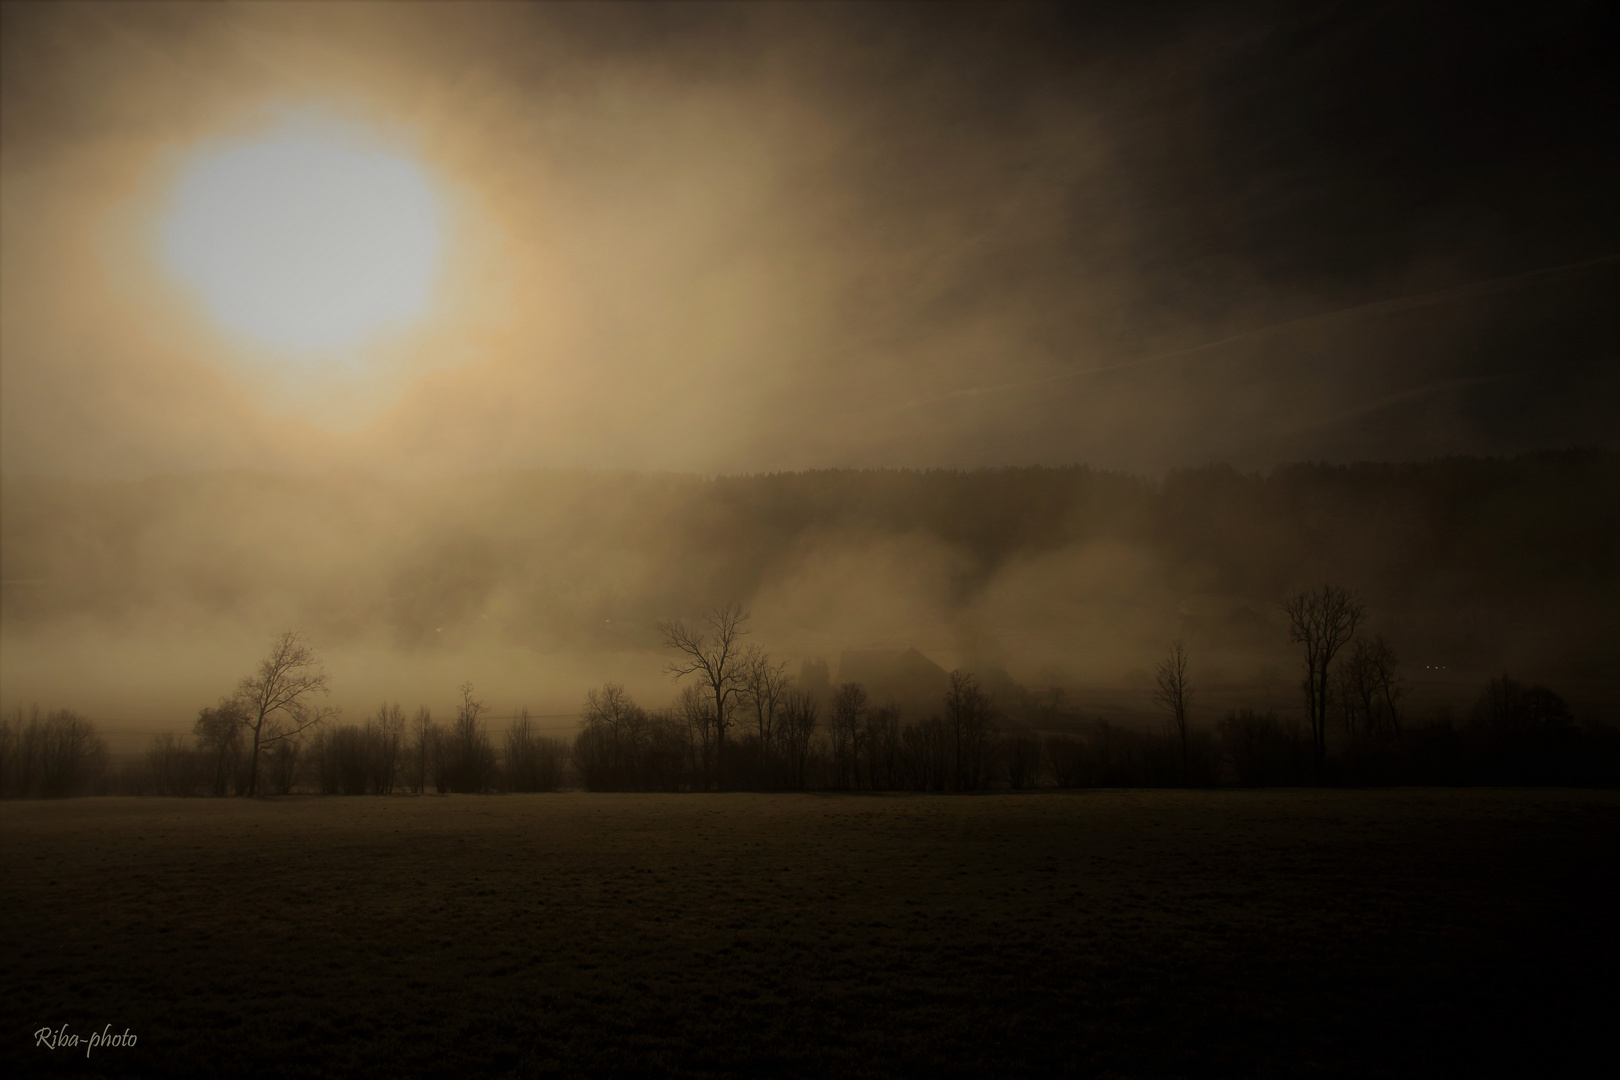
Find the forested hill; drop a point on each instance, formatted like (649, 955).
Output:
(1493, 526)
(1498, 560)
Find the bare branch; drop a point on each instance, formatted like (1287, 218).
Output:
(1173, 690)
(1323, 621)
(318, 715)
(716, 655)
(285, 680)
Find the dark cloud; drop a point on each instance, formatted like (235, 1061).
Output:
(739, 237)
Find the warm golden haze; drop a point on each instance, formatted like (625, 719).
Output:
(680, 537)
(305, 239)
(757, 237)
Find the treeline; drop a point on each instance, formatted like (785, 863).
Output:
(788, 743)
(1513, 735)
(387, 754)
(741, 722)
(52, 756)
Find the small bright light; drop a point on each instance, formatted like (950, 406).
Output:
(301, 243)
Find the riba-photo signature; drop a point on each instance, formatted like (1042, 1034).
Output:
(62, 1039)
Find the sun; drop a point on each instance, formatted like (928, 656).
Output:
(305, 241)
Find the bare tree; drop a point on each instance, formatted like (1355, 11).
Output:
(925, 754)
(848, 714)
(339, 752)
(1323, 621)
(1021, 750)
(1383, 671)
(1355, 689)
(880, 746)
(716, 656)
(970, 719)
(1342, 697)
(384, 734)
(533, 761)
(424, 744)
(611, 706)
(694, 711)
(23, 745)
(10, 744)
(797, 727)
(58, 757)
(765, 688)
(275, 701)
(281, 765)
(613, 734)
(468, 757)
(1070, 759)
(1173, 690)
(174, 766)
(218, 734)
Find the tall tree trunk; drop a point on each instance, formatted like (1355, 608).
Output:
(719, 740)
(253, 767)
(1320, 722)
(1186, 770)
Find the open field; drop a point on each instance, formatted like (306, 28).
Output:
(1110, 933)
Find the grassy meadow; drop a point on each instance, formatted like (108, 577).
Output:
(1097, 933)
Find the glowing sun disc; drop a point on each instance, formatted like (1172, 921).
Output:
(300, 243)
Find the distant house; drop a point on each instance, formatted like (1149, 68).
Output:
(903, 677)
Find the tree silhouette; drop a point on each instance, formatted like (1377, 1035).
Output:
(218, 734)
(848, 713)
(1323, 621)
(970, 720)
(424, 746)
(533, 761)
(1173, 690)
(614, 733)
(880, 746)
(694, 714)
(798, 726)
(765, 688)
(717, 658)
(1383, 669)
(467, 756)
(1021, 750)
(275, 700)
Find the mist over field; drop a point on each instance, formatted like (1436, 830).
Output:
(146, 600)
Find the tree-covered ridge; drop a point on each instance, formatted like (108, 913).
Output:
(1465, 551)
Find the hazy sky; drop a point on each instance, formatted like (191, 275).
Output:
(750, 237)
